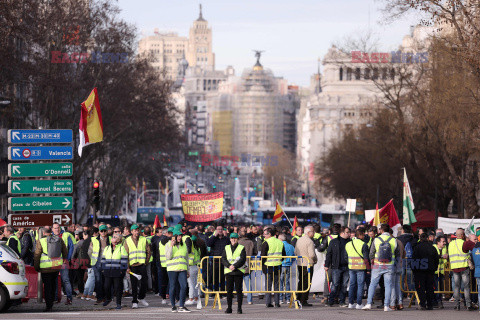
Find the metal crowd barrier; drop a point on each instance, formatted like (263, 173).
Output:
(211, 278)
(446, 284)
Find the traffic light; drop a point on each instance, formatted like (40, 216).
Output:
(303, 196)
(96, 195)
(214, 187)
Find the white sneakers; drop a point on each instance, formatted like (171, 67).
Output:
(387, 309)
(368, 306)
(351, 306)
(189, 302)
(164, 301)
(134, 305)
(359, 307)
(143, 302)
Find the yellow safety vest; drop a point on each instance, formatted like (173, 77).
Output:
(441, 263)
(354, 251)
(295, 237)
(316, 236)
(95, 251)
(370, 242)
(178, 262)
(137, 254)
(194, 256)
(377, 243)
(232, 258)
(331, 237)
(19, 246)
(275, 248)
(161, 251)
(65, 237)
(45, 261)
(115, 259)
(149, 240)
(458, 259)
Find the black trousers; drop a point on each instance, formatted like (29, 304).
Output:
(272, 277)
(425, 284)
(80, 273)
(163, 275)
(303, 283)
(153, 269)
(117, 283)
(236, 280)
(141, 270)
(49, 287)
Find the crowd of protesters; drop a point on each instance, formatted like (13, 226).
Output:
(101, 263)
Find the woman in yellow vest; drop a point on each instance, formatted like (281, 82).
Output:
(114, 266)
(234, 259)
(357, 252)
(176, 256)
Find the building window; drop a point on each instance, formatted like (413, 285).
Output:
(366, 75)
(375, 74)
(392, 74)
(349, 74)
(341, 74)
(384, 73)
(357, 74)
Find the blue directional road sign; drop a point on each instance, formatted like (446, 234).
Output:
(40, 153)
(40, 136)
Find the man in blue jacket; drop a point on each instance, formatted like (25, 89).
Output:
(286, 266)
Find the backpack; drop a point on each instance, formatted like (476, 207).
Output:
(54, 246)
(385, 250)
(409, 250)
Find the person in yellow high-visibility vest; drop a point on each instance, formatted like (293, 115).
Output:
(272, 267)
(459, 265)
(13, 242)
(357, 252)
(383, 251)
(176, 255)
(441, 247)
(48, 263)
(114, 266)
(138, 255)
(234, 260)
(163, 274)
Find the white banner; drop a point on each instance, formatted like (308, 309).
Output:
(451, 225)
(318, 279)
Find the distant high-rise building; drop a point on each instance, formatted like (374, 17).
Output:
(253, 114)
(169, 49)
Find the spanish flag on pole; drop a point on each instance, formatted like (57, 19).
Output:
(91, 125)
(277, 216)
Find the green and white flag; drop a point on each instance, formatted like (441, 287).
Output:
(470, 229)
(408, 206)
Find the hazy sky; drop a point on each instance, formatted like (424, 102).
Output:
(294, 34)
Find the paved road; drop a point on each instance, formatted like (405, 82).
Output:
(83, 310)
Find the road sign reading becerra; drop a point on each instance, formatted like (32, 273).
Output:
(54, 169)
(39, 203)
(40, 153)
(39, 219)
(40, 136)
(40, 186)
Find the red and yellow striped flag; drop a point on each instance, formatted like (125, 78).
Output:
(277, 216)
(91, 125)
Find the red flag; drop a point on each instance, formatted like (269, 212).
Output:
(277, 216)
(2, 223)
(156, 224)
(295, 225)
(388, 214)
(165, 221)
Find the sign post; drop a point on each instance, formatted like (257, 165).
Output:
(351, 207)
(26, 153)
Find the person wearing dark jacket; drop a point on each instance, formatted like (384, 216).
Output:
(114, 266)
(155, 265)
(323, 248)
(424, 264)
(234, 260)
(337, 260)
(408, 237)
(27, 246)
(217, 243)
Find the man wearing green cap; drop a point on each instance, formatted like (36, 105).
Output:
(138, 255)
(176, 255)
(233, 259)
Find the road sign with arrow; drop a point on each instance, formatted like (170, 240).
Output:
(39, 219)
(40, 203)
